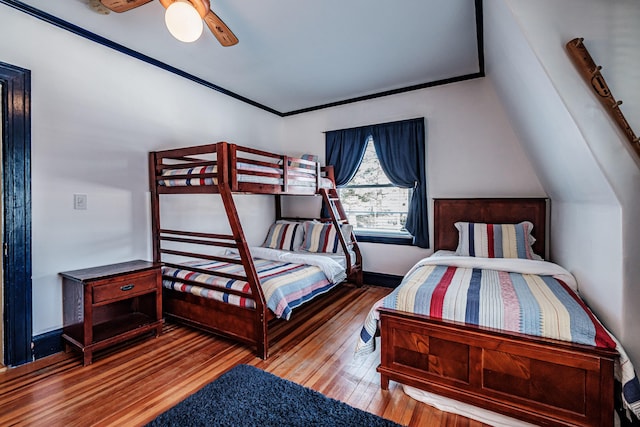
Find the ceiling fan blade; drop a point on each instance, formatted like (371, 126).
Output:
(122, 5)
(202, 6)
(220, 29)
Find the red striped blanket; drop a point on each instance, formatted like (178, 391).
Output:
(286, 285)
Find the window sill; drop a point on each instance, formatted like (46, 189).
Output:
(383, 238)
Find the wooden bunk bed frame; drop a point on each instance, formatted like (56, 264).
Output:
(247, 325)
(543, 381)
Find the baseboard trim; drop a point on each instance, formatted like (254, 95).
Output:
(47, 344)
(381, 279)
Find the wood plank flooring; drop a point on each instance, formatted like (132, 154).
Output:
(131, 384)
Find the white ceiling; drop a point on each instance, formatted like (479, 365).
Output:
(295, 54)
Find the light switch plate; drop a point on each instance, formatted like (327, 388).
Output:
(80, 201)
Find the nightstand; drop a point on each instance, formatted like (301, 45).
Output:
(106, 305)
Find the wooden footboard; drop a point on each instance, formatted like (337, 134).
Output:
(218, 317)
(546, 382)
(238, 323)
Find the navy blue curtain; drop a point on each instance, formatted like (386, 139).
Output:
(400, 147)
(401, 150)
(344, 150)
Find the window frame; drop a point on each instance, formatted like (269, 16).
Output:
(380, 236)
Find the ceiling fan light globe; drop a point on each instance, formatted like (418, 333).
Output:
(183, 21)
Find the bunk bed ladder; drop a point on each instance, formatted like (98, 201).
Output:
(338, 217)
(332, 200)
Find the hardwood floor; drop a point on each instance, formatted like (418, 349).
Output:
(133, 383)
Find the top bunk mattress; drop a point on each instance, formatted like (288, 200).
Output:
(200, 176)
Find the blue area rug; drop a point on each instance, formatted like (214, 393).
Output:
(248, 396)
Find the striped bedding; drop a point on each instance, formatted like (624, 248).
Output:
(515, 295)
(308, 180)
(182, 182)
(286, 285)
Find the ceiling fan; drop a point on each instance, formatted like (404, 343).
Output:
(202, 7)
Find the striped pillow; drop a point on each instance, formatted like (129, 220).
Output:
(284, 235)
(322, 237)
(310, 157)
(495, 240)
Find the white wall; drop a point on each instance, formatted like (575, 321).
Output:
(581, 157)
(96, 113)
(471, 150)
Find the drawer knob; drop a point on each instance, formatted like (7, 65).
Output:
(127, 287)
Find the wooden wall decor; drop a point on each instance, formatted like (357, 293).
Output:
(591, 73)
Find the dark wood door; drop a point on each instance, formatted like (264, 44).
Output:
(16, 182)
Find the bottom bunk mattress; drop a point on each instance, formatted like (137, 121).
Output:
(530, 297)
(287, 280)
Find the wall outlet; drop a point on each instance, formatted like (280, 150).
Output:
(80, 201)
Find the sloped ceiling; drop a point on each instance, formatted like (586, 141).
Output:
(296, 56)
(582, 158)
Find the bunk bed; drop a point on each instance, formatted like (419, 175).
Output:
(440, 355)
(211, 281)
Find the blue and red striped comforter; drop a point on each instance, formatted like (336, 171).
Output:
(531, 297)
(516, 301)
(285, 285)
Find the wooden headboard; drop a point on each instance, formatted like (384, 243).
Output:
(446, 212)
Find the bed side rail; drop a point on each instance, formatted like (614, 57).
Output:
(191, 244)
(249, 165)
(206, 163)
(283, 173)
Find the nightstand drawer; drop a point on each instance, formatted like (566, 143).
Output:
(124, 287)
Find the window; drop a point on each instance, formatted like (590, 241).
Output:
(379, 208)
(376, 208)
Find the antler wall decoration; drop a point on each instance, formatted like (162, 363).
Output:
(591, 73)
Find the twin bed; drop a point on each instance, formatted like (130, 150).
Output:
(216, 282)
(485, 321)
